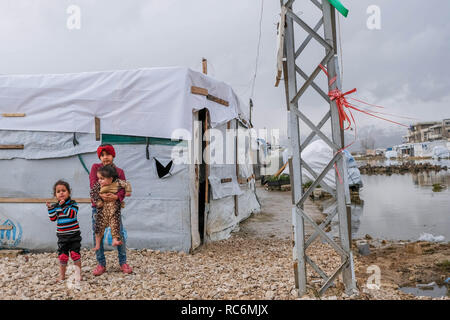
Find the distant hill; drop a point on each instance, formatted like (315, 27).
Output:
(382, 138)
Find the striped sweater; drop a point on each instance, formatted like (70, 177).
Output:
(65, 216)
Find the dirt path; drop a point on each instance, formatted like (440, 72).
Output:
(275, 219)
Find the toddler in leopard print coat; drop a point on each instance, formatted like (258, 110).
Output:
(108, 212)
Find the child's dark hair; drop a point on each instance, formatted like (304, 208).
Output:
(109, 171)
(61, 183)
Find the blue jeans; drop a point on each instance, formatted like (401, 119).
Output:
(121, 250)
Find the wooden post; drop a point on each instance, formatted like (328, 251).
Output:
(205, 65)
(250, 115)
(236, 204)
(207, 158)
(97, 129)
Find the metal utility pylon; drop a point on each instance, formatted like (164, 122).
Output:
(340, 191)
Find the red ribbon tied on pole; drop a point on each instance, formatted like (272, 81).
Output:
(342, 102)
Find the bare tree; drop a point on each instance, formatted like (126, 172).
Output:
(367, 142)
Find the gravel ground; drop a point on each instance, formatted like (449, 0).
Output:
(237, 268)
(254, 263)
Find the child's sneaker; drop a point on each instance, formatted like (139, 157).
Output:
(126, 268)
(99, 270)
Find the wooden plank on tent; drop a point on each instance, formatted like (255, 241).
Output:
(200, 91)
(38, 200)
(204, 92)
(280, 46)
(97, 129)
(217, 100)
(6, 227)
(205, 65)
(244, 180)
(226, 180)
(10, 115)
(11, 146)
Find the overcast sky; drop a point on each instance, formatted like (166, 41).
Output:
(404, 66)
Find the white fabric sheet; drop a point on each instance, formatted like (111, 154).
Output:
(45, 145)
(149, 102)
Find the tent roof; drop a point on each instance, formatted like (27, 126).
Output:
(151, 102)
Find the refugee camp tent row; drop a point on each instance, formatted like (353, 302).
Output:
(51, 126)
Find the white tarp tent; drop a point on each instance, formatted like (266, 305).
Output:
(317, 155)
(138, 110)
(158, 97)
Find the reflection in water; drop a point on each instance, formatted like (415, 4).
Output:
(431, 177)
(357, 212)
(402, 206)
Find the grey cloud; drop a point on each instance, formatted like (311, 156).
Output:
(402, 66)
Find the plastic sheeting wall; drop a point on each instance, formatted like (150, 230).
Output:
(44, 145)
(222, 219)
(157, 215)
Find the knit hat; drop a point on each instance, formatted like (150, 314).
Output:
(108, 148)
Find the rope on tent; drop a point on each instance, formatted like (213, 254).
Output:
(83, 164)
(75, 142)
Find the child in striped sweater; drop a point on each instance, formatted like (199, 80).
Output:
(64, 212)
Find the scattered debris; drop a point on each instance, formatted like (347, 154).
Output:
(414, 248)
(363, 247)
(400, 169)
(429, 237)
(444, 266)
(10, 253)
(437, 187)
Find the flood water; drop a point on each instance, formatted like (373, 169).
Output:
(401, 207)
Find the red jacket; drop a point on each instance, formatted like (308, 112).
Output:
(93, 179)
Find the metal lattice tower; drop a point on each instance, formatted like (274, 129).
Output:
(340, 191)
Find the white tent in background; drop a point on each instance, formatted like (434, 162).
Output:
(317, 155)
(53, 117)
(440, 152)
